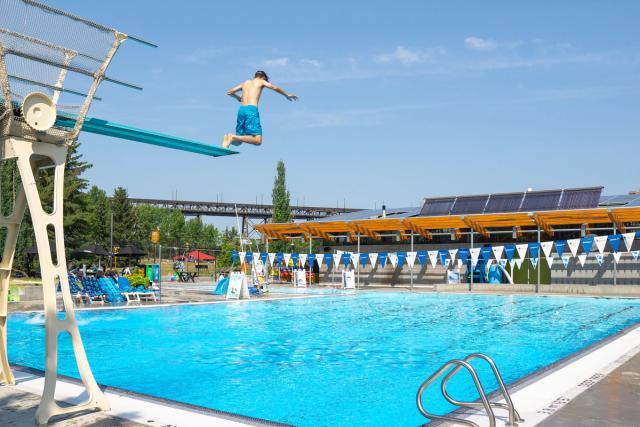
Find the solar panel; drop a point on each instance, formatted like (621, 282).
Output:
(469, 204)
(634, 202)
(505, 202)
(541, 200)
(580, 198)
(437, 206)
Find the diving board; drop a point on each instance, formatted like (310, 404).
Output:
(116, 130)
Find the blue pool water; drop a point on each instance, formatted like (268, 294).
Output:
(329, 361)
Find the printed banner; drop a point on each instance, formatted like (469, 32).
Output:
(560, 244)
(475, 254)
(463, 255)
(373, 257)
(573, 246)
(565, 260)
(614, 241)
(422, 257)
(509, 251)
(453, 253)
(587, 243)
(442, 254)
(486, 252)
(497, 252)
(383, 258)
(402, 256)
(364, 257)
(600, 242)
(411, 259)
(522, 250)
(628, 240)
(546, 248)
(600, 258)
(635, 254)
(582, 258)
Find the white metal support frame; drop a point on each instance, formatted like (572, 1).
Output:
(30, 158)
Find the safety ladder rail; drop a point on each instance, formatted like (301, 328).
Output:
(488, 406)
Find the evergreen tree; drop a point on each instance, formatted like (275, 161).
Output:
(280, 197)
(98, 217)
(124, 219)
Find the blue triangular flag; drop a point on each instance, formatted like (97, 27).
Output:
(443, 254)
(328, 259)
(279, 256)
(234, 257)
(509, 250)
(587, 242)
(401, 257)
(534, 248)
(364, 257)
(311, 258)
(346, 257)
(422, 257)
(264, 256)
(486, 252)
(249, 257)
(294, 258)
(463, 255)
(614, 241)
(382, 258)
(560, 244)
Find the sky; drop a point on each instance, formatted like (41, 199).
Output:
(398, 100)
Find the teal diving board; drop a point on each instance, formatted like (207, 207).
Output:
(115, 130)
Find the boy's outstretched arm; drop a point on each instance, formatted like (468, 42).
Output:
(289, 96)
(234, 92)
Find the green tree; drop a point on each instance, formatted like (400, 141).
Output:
(228, 243)
(280, 199)
(124, 219)
(98, 217)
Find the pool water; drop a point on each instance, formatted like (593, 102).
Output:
(342, 360)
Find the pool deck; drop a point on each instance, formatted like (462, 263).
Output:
(599, 387)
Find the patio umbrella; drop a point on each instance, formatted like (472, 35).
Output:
(131, 251)
(33, 250)
(93, 249)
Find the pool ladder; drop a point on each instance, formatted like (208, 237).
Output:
(488, 406)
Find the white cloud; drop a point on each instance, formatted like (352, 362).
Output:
(202, 55)
(312, 62)
(477, 43)
(403, 55)
(276, 62)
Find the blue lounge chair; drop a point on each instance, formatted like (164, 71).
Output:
(140, 292)
(109, 287)
(92, 289)
(75, 289)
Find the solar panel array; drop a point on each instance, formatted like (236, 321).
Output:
(572, 198)
(620, 200)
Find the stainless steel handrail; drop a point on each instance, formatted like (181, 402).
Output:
(514, 417)
(459, 364)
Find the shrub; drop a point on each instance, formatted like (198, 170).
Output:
(138, 280)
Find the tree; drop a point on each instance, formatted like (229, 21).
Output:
(124, 220)
(98, 217)
(280, 199)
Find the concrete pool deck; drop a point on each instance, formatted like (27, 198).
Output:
(602, 380)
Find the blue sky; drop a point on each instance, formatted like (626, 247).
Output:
(398, 100)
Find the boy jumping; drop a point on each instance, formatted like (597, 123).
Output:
(248, 128)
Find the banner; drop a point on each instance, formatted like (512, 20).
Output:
(354, 259)
(373, 257)
(303, 260)
(522, 250)
(249, 256)
(587, 243)
(463, 255)
(565, 260)
(560, 244)
(452, 253)
(486, 252)
(346, 258)
(234, 257)
(263, 257)
(509, 250)
(402, 256)
(573, 246)
(422, 257)
(393, 258)
(628, 240)
(286, 258)
(294, 259)
(600, 258)
(443, 254)
(497, 252)
(312, 258)
(279, 257)
(635, 254)
(364, 257)
(534, 262)
(475, 253)
(512, 263)
(550, 260)
(241, 256)
(411, 259)
(519, 262)
(582, 258)
(320, 259)
(600, 242)
(383, 258)
(336, 259)
(546, 248)
(614, 241)
(616, 256)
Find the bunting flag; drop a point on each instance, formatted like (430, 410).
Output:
(241, 256)
(509, 251)
(373, 257)
(522, 250)
(628, 240)
(587, 243)
(312, 258)
(383, 258)
(534, 262)
(614, 241)
(463, 255)
(475, 253)
(582, 258)
(442, 254)
(565, 260)
(402, 256)
(286, 258)
(411, 259)
(519, 262)
(294, 259)
(249, 256)
(546, 248)
(363, 259)
(319, 259)
(486, 252)
(433, 258)
(453, 253)
(512, 263)
(279, 257)
(346, 258)
(393, 258)
(616, 256)
(503, 263)
(460, 263)
(573, 246)
(560, 244)
(447, 263)
(234, 257)
(303, 260)
(422, 257)
(272, 257)
(328, 258)
(600, 258)
(600, 242)
(550, 260)
(336, 259)
(635, 254)
(497, 252)
(263, 257)
(354, 259)
(534, 248)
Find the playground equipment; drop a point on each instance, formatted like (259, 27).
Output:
(40, 49)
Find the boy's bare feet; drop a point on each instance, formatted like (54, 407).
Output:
(226, 140)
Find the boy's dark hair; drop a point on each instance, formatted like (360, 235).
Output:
(261, 74)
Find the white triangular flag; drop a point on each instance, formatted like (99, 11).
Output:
(272, 257)
(303, 259)
(433, 258)
(320, 260)
(453, 253)
(447, 263)
(582, 258)
(550, 260)
(373, 258)
(460, 263)
(534, 262)
(628, 240)
(286, 257)
(503, 263)
(411, 258)
(519, 262)
(393, 258)
(354, 260)
(242, 256)
(600, 242)
(616, 256)
(489, 262)
(600, 258)
(475, 253)
(546, 248)
(497, 252)
(573, 245)
(512, 263)
(336, 259)
(565, 260)
(635, 254)
(522, 250)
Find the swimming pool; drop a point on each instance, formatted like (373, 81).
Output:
(327, 361)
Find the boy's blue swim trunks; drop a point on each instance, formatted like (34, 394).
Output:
(248, 122)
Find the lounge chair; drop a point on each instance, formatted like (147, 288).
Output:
(140, 291)
(92, 289)
(76, 292)
(127, 290)
(109, 287)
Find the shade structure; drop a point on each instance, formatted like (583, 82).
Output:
(92, 249)
(33, 250)
(200, 256)
(130, 251)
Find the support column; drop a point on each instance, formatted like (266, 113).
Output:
(411, 268)
(615, 265)
(358, 262)
(471, 264)
(538, 265)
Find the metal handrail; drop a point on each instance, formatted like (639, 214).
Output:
(458, 365)
(514, 417)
